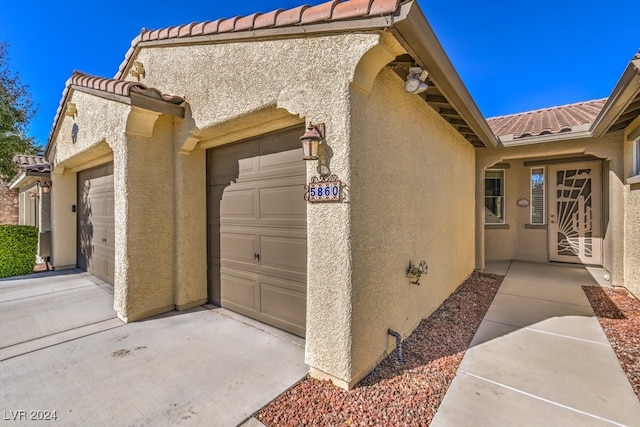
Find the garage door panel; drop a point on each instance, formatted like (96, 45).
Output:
(239, 204)
(238, 248)
(240, 291)
(224, 166)
(283, 304)
(283, 163)
(283, 255)
(285, 204)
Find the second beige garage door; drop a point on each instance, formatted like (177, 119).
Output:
(257, 223)
(96, 231)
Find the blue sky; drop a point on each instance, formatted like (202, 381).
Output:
(513, 56)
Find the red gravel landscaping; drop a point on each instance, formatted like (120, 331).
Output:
(619, 314)
(394, 394)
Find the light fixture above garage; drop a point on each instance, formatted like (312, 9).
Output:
(311, 140)
(416, 81)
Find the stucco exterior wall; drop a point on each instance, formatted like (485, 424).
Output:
(516, 242)
(237, 81)
(632, 219)
(407, 203)
(520, 243)
(83, 141)
(144, 204)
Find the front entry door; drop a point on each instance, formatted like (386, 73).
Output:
(575, 207)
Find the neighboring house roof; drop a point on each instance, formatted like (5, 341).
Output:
(32, 163)
(564, 118)
(31, 167)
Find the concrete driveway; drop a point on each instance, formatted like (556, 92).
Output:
(62, 349)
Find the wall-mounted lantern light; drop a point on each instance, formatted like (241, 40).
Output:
(416, 80)
(46, 187)
(311, 140)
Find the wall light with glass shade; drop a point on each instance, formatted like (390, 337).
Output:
(311, 140)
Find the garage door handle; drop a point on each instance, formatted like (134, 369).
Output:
(257, 256)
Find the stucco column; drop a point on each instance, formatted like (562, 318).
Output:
(144, 222)
(191, 225)
(329, 287)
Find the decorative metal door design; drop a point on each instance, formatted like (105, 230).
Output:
(574, 213)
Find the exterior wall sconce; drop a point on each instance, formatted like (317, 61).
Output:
(415, 83)
(414, 272)
(72, 110)
(311, 140)
(138, 70)
(46, 187)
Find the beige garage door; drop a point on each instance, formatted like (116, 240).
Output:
(257, 223)
(96, 232)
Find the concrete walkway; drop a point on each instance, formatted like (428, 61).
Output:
(540, 358)
(63, 350)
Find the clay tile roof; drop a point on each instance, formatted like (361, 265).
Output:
(352, 9)
(267, 19)
(552, 120)
(120, 87)
(227, 25)
(334, 10)
(321, 12)
(291, 16)
(109, 86)
(114, 86)
(32, 163)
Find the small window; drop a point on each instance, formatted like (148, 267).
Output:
(494, 196)
(636, 157)
(537, 196)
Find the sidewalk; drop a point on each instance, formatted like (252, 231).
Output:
(540, 358)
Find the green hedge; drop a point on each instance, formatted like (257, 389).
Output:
(18, 248)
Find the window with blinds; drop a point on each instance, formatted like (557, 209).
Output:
(537, 196)
(494, 197)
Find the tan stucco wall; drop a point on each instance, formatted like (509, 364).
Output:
(237, 81)
(144, 203)
(516, 242)
(97, 120)
(407, 203)
(531, 245)
(632, 219)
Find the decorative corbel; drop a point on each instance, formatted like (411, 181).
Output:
(137, 70)
(72, 110)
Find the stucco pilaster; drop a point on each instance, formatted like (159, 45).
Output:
(191, 222)
(145, 223)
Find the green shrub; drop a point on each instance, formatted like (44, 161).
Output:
(18, 248)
